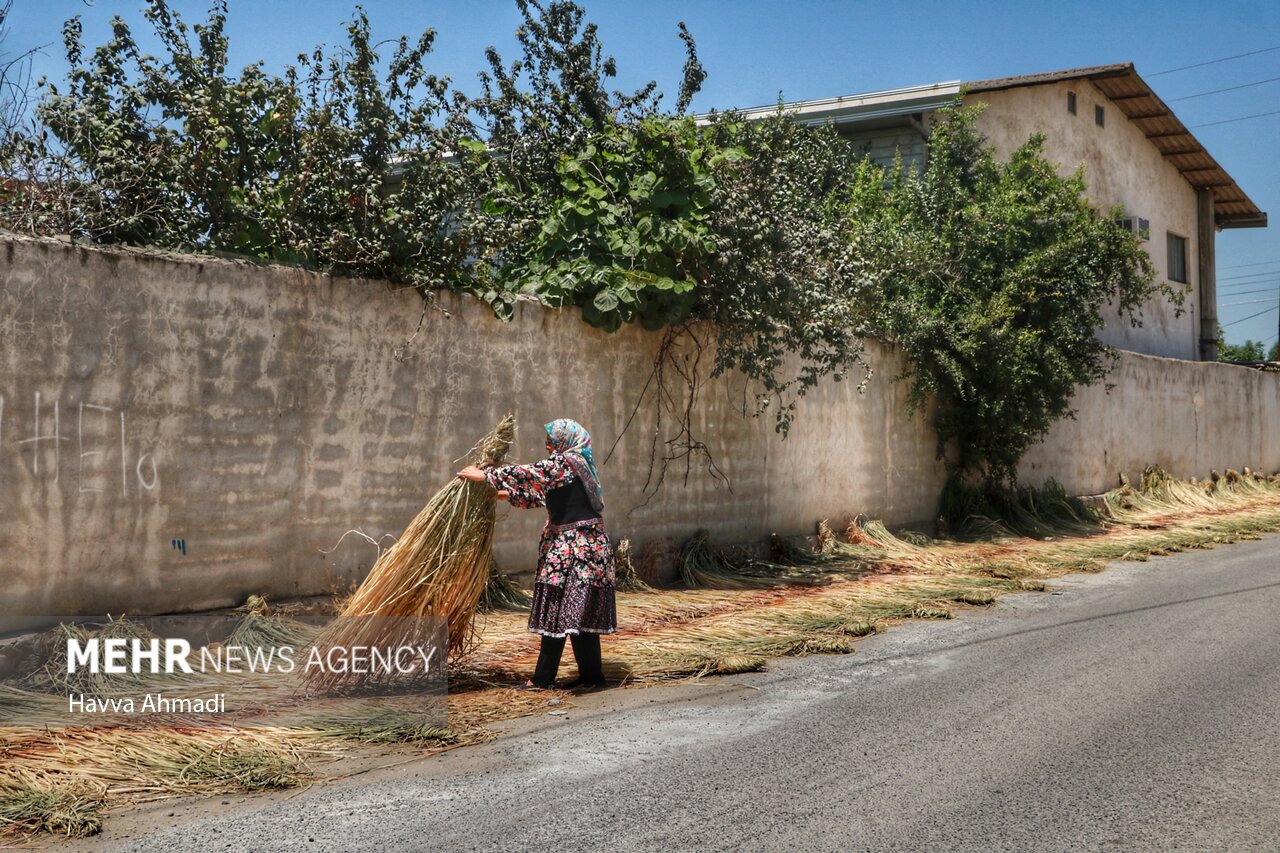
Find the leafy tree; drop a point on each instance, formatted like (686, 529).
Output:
(177, 152)
(992, 279)
(1250, 350)
(570, 186)
(601, 200)
(787, 291)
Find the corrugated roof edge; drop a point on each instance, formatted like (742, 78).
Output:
(1179, 139)
(1119, 69)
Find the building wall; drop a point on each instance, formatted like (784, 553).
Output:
(177, 433)
(1121, 167)
(884, 147)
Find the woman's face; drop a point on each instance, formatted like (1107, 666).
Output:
(551, 448)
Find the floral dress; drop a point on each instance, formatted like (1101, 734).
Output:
(573, 591)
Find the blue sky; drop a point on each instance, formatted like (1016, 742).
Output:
(756, 50)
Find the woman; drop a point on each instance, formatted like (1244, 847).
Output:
(574, 590)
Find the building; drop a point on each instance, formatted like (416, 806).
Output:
(1135, 152)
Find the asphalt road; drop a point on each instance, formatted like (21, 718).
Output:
(1134, 710)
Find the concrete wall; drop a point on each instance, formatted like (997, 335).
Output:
(1121, 166)
(1186, 417)
(176, 433)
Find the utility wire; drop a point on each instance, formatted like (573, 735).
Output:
(1256, 264)
(1249, 275)
(1246, 302)
(1215, 61)
(1226, 291)
(1254, 283)
(1240, 118)
(1232, 294)
(1228, 288)
(1228, 89)
(1250, 292)
(1251, 316)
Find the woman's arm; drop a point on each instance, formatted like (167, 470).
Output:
(525, 485)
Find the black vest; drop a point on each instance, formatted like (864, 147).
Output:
(567, 504)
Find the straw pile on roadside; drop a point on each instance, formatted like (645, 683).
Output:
(59, 781)
(628, 579)
(890, 577)
(438, 567)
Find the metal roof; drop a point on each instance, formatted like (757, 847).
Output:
(864, 107)
(1142, 106)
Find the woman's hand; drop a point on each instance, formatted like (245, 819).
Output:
(471, 473)
(503, 495)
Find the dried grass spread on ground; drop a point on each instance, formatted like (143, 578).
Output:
(745, 612)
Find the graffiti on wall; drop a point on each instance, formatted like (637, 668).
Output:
(87, 445)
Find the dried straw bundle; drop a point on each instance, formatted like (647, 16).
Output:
(52, 675)
(260, 628)
(502, 593)
(438, 567)
(628, 580)
(705, 564)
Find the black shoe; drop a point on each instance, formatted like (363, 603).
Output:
(533, 685)
(582, 686)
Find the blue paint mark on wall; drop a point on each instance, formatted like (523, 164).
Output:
(179, 545)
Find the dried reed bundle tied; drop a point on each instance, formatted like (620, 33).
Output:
(438, 567)
(502, 593)
(628, 580)
(259, 627)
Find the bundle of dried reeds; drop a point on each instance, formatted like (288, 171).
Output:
(438, 567)
(628, 580)
(502, 593)
(59, 780)
(53, 675)
(706, 564)
(262, 628)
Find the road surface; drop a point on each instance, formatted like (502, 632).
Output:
(1138, 709)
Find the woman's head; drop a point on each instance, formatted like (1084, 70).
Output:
(572, 439)
(567, 436)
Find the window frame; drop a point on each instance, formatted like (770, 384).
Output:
(1169, 238)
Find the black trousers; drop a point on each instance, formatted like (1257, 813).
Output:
(586, 651)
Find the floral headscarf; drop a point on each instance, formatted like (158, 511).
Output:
(571, 439)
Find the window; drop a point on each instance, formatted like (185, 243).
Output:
(1177, 258)
(1099, 117)
(1071, 102)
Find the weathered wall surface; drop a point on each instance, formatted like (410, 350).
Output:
(178, 433)
(1121, 166)
(1186, 417)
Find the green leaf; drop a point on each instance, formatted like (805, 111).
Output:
(605, 301)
